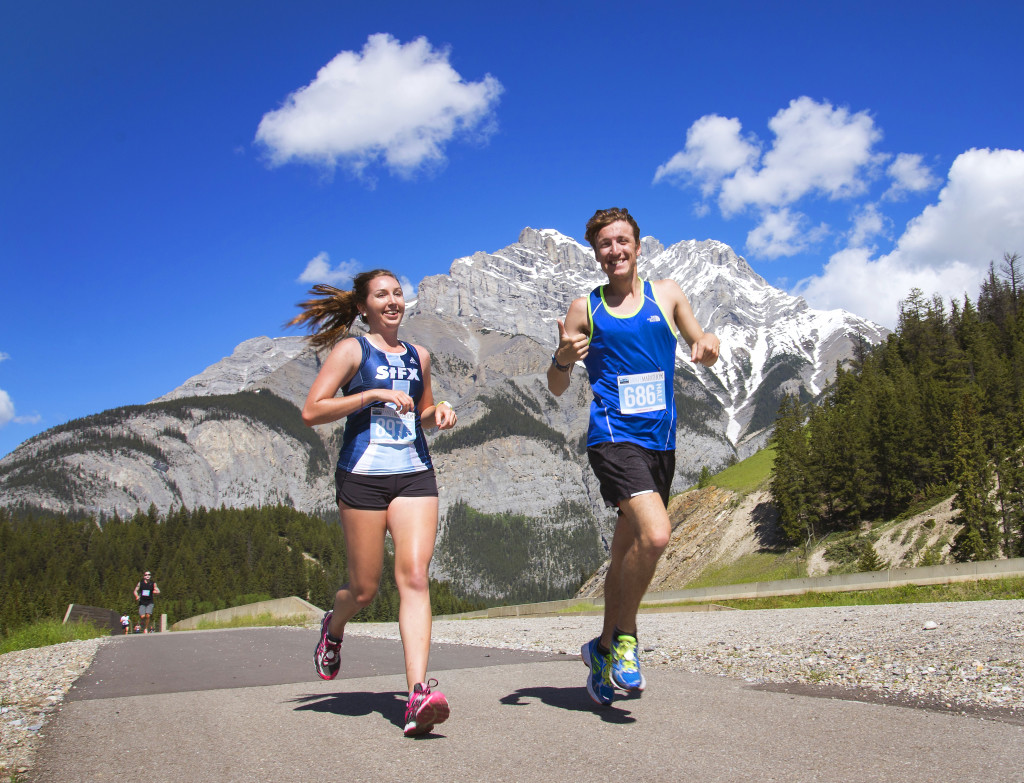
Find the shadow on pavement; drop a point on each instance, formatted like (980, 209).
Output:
(573, 699)
(389, 705)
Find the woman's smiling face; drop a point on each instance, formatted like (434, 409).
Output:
(385, 304)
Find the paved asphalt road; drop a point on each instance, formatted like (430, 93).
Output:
(245, 705)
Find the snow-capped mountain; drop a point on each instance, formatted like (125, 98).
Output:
(489, 325)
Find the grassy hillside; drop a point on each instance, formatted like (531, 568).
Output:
(920, 536)
(748, 475)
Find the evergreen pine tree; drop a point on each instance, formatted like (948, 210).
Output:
(1009, 473)
(869, 560)
(704, 480)
(791, 482)
(977, 539)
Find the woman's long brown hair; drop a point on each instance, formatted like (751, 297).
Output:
(330, 316)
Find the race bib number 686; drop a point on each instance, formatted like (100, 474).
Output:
(642, 392)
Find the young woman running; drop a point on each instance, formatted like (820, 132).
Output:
(385, 481)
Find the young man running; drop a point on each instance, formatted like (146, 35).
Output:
(145, 593)
(625, 335)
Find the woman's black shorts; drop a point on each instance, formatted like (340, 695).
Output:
(375, 493)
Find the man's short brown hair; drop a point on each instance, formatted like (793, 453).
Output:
(605, 217)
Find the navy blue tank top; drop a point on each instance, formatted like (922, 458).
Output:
(378, 440)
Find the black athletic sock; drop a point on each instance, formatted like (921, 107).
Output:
(333, 639)
(618, 632)
(602, 649)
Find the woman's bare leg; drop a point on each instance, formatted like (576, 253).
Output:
(364, 545)
(412, 522)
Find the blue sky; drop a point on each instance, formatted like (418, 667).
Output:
(175, 175)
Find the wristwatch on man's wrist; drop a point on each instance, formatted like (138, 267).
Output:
(562, 367)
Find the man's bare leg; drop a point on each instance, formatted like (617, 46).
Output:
(641, 535)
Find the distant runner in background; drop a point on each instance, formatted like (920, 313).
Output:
(625, 335)
(385, 479)
(145, 592)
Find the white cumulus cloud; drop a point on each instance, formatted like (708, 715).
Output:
(395, 103)
(6, 405)
(6, 408)
(946, 250)
(868, 223)
(714, 149)
(817, 148)
(409, 290)
(979, 214)
(318, 270)
(783, 233)
(909, 175)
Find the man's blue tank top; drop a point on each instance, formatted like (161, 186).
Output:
(631, 365)
(378, 440)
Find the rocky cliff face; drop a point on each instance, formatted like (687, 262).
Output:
(282, 365)
(191, 452)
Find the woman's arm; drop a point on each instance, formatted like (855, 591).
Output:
(322, 406)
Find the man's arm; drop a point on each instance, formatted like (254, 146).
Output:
(136, 591)
(704, 346)
(156, 590)
(573, 345)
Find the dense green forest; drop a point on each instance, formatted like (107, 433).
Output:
(936, 410)
(202, 560)
(517, 558)
(508, 413)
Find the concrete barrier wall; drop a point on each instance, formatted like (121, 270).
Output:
(278, 607)
(871, 580)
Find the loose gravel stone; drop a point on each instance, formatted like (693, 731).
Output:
(32, 686)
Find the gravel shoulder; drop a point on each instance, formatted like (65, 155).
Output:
(32, 686)
(965, 657)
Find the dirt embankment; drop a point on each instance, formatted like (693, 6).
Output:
(715, 526)
(709, 526)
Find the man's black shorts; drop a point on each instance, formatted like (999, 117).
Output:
(375, 493)
(625, 470)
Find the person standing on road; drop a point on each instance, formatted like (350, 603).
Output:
(384, 480)
(625, 333)
(145, 593)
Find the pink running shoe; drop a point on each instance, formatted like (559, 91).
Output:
(326, 657)
(426, 708)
